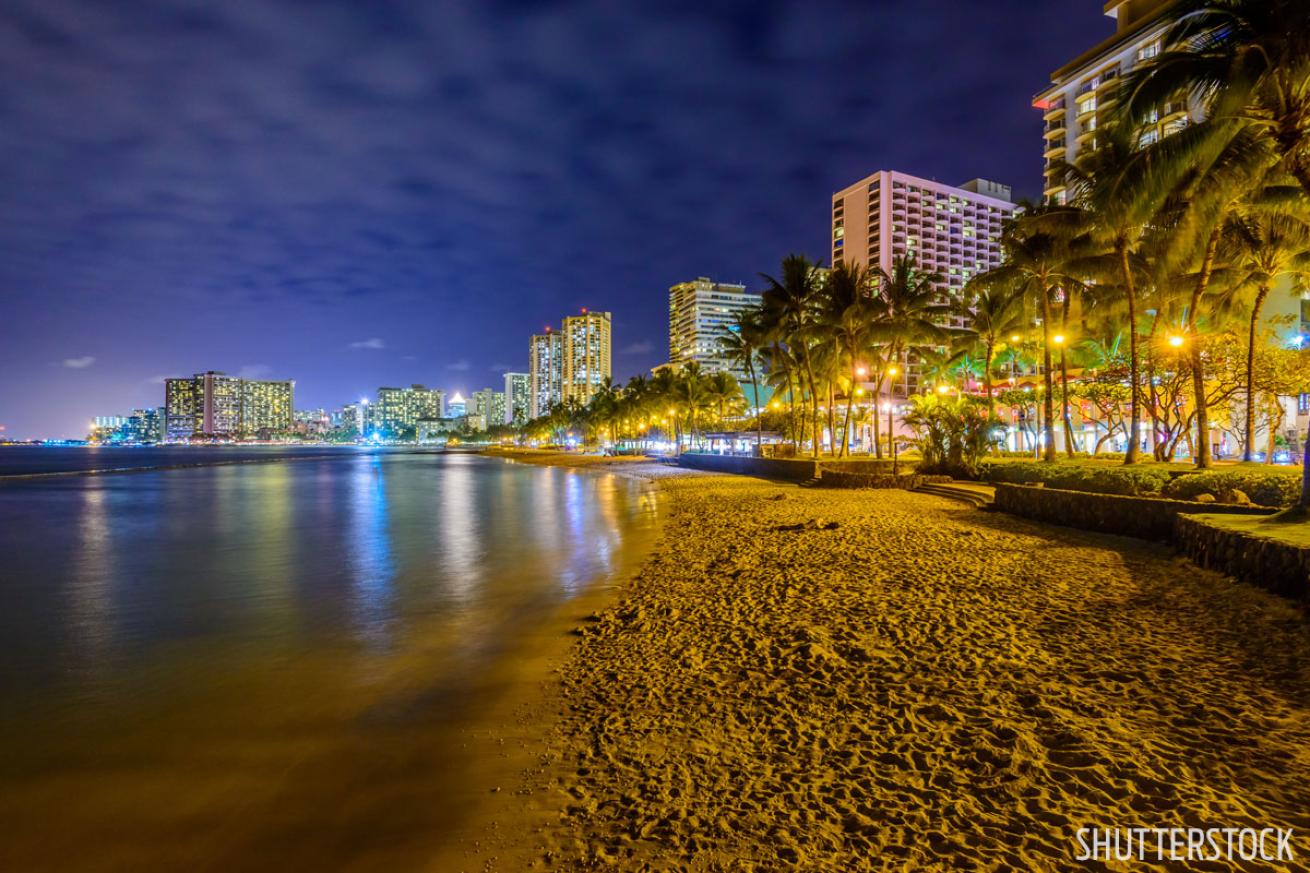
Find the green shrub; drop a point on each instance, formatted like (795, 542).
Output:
(1131, 481)
(1265, 487)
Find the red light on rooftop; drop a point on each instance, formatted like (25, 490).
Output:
(1041, 104)
(584, 310)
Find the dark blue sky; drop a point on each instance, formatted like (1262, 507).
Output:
(363, 194)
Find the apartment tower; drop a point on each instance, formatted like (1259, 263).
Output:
(586, 355)
(700, 312)
(545, 372)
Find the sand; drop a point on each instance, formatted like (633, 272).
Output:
(842, 680)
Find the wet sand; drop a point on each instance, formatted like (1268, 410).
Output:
(828, 680)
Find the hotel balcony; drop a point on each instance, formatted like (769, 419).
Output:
(1054, 128)
(1054, 148)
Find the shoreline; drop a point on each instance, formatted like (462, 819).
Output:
(828, 680)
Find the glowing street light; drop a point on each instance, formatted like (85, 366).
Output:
(1176, 341)
(1058, 339)
(942, 389)
(861, 371)
(1014, 338)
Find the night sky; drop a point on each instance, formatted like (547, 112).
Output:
(355, 195)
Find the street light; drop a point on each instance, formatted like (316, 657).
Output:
(1058, 339)
(1176, 341)
(1014, 338)
(861, 371)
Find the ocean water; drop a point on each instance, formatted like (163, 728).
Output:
(266, 666)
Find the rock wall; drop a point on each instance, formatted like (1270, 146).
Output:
(1149, 518)
(766, 468)
(1279, 567)
(838, 479)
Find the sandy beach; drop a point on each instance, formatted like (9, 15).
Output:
(842, 680)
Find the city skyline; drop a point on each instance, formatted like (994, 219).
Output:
(312, 256)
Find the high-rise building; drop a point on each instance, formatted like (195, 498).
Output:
(212, 404)
(586, 353)
(952, 232)
(401, 408)
(518, 397)
(1083, 90)
(490, 405)
(699, 314)
(545, 372)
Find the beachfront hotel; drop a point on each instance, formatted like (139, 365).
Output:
(490, 405)
(518, 394)
(585, 355)
(952, 232)
(213, 404)
(545, 372)
(402, 408)
(699, 312)
(1083, 90)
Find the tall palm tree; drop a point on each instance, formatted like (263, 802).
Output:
(847, 316)
(1037, 266)
(789, 304)
(1121, 193)
(741, 342)
(996, 313)
(1247, 62)
(1264, 247)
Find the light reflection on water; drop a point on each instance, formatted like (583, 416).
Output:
(218, 663)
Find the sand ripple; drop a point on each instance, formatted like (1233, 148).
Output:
(831, 680)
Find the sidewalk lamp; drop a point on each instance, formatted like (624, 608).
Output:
(1176, 340)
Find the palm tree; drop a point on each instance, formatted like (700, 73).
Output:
(1036, 266)
(997, 313)
(1264, 247)
(723, 392)
(1121, 192)
(1247, 63)
(741, 342)
(847, 316)
(789, 305)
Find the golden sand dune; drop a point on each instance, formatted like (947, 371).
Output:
(828, 680)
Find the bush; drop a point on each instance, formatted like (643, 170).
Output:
(1131, 481)
(1265, 487)
(951, 435)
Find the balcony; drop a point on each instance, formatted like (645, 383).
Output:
(1054, 128)
(1054, 148)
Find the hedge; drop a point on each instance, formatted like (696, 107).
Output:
(1264, 487)
(1131, 481)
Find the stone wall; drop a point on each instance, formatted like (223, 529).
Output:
(766, 468)
(837, 479)
(1279, 567)
(1149, 518)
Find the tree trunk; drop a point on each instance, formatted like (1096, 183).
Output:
(850, 402)
(1260, 295)
(987, 378)
(1203, 459)
(814, 407)
(1048, 402)
(877, 427)
(759, 410)
(1134, 402)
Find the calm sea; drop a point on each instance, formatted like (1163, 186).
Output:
(266, 666)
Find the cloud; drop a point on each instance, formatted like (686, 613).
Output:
(254, 371)
(644, 347)
(79, 363)
(158, 380)
(460, 365)
(370, 343)
(500, 368)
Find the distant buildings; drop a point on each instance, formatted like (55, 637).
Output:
(212, 404)
(1082, 91)
(699, 313)
(586, 355)
(518, 397)
(400, 409)
(458, 407)
(490, 406)
(952, 232)
(545, 372)
(144, 425)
